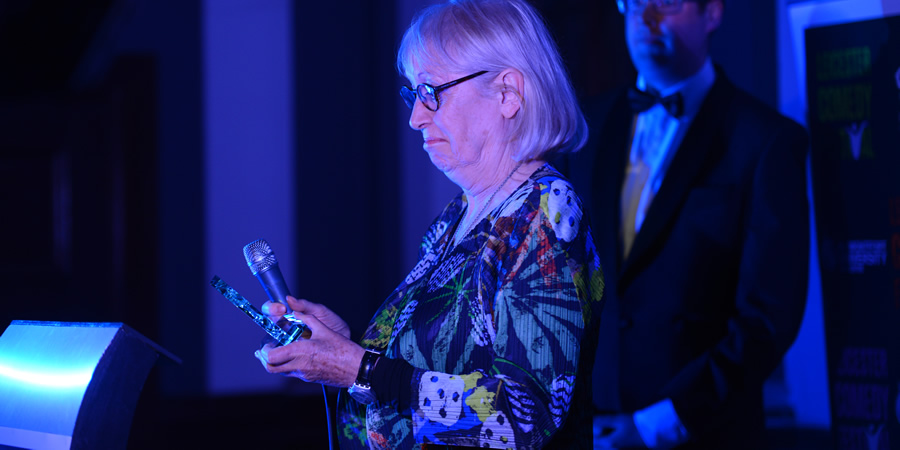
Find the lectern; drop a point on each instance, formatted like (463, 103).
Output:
(66, 385)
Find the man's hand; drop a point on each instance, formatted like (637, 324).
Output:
(616, 431)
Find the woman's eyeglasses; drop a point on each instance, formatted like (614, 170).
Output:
(428, 94)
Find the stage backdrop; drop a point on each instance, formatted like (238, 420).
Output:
(853, 90)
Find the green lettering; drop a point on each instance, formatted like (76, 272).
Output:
(850, 103)
(843, 64)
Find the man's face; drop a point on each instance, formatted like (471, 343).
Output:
(673, 46)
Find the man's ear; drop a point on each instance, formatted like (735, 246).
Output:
(713, 12)
(512, 94)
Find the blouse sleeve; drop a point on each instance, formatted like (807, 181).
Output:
(536, 294)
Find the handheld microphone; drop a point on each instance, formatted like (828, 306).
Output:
(261, 260)
(264, 267)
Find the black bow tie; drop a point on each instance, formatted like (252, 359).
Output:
(642, 101)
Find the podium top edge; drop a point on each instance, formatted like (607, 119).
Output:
(68, 324)
(121, 326)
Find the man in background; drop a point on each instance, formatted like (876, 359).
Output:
(697, 196)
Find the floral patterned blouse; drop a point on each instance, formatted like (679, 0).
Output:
(501, 330)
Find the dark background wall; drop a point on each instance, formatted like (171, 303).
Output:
(104, 156)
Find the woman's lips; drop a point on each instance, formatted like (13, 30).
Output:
(429, 142)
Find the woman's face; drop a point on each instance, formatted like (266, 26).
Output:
(463, 136)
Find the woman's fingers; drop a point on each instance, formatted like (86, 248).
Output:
(277, 356)
(327, 357)
(302, 305)
(273, 309)
(313, 323)
(322, 313)
(263, 356)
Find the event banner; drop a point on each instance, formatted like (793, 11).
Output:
(853, 82)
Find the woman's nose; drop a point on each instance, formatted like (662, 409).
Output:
(419, 116)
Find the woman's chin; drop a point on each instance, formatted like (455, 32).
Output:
(440, 163)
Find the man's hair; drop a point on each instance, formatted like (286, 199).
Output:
(468, 36)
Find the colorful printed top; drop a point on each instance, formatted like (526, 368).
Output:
(498, 328)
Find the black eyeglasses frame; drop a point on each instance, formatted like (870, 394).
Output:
(409, 95)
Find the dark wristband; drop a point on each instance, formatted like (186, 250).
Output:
(364, 375)
(361, 390)
(391, 380)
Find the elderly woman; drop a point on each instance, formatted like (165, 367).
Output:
(489, 340)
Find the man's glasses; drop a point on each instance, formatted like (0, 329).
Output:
(665, 7)
(428, 94)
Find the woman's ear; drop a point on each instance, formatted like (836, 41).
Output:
(512, 93)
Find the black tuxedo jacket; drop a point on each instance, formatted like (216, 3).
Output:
(713, 291)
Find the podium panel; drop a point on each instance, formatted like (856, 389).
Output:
(71, 385)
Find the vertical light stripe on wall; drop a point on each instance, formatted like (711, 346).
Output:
(248, 90)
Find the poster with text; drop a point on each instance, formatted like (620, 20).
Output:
(853, 82)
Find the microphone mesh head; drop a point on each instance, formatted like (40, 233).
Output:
(259, 256)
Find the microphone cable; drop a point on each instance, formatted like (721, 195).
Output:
(327, 417)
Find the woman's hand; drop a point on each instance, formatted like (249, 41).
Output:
(327, 357)
(276, 311)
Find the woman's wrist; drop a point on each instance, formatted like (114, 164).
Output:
(391, 381)
(361, 389)
(352, 370)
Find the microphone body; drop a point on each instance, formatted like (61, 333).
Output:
(273, 283)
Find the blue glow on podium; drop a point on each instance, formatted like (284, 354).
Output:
(45, 370)
(71, 385)
(48, 377)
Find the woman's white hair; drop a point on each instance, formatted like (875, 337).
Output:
(469, 36)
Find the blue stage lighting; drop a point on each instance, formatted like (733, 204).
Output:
(70, 385)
